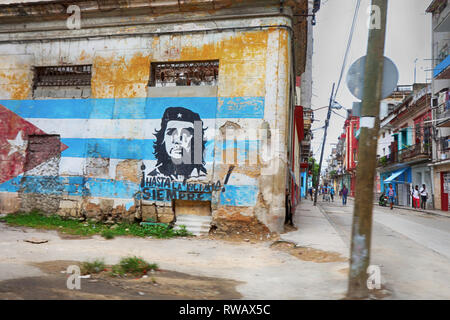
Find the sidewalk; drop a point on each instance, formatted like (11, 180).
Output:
(429, 211)
(314, 230)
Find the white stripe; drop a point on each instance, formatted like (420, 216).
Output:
(124, 128)
(70, 166)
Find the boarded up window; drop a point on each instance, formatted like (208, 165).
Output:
(188, 207)
(40, 149)
(40, 186)
(186, 73)
(62, 81)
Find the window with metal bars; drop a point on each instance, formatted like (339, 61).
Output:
(184, 73)
(74, 75)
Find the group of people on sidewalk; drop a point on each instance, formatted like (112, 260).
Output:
(419, 197)
(329, 192)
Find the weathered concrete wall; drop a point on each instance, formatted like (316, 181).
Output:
(107, 157)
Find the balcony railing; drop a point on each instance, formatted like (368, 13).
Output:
(442, 114)
(438, 71)
(443, 149)
(308, 117)
(414, 152)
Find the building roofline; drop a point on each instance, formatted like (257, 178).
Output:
(59, 7)
(434, 4)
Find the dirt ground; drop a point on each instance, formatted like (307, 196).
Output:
(240, 266)
(308, 254)
(161, 285)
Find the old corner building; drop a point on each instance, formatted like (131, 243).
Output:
(129, 116)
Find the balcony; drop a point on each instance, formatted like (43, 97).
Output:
(412, 153)
(443, 115)
(443, 149)
(415, 152)
(387, 160)
(442, 70)
(308, 118)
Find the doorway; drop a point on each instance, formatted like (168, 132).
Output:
(445, 189)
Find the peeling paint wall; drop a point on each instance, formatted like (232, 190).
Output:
(107, 141)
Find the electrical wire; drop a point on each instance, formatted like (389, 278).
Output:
(339, 114)
(347, 50)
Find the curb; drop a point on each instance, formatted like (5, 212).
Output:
(412, 209)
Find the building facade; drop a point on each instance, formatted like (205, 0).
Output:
(154, 109)
(351, 129)
(406, 164)
(441, 101)
(386, 137)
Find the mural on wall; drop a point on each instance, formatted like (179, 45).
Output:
(180, 145)
(117, 134)
(179, 150)
(14, 135)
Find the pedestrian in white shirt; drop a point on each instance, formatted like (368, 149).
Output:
(416, 197)
(423, 197)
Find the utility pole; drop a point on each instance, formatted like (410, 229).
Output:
(365, 172)
(323, 144)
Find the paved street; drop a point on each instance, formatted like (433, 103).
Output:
(412, 248)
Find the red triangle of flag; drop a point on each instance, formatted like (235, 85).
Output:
(14, 133)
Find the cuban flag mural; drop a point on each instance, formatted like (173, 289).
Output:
(157, 148)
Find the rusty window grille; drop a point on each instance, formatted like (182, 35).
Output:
(185, 73)
(75, 75)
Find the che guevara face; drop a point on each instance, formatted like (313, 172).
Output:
(178, 141)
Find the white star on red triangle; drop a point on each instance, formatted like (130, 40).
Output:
(17, 145)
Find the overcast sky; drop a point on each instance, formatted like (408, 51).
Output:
(408, 36)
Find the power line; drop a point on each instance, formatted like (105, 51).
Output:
(347, 50)
(339, 114)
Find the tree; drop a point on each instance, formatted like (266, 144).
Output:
(314, 167)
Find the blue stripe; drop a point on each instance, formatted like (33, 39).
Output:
(136, 108)
(241, 107)
(73, 186)
(118, 148)
(239, 196)
(79, 186)
(141, 149)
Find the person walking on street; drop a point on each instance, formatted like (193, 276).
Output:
(344, 195)
(416, 197)
(332, 193)
(391, 196)
(326, 196)
(310, 191)
(423, 197)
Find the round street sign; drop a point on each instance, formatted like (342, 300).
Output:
(355, 78)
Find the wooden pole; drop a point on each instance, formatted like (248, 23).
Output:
(365, 172)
